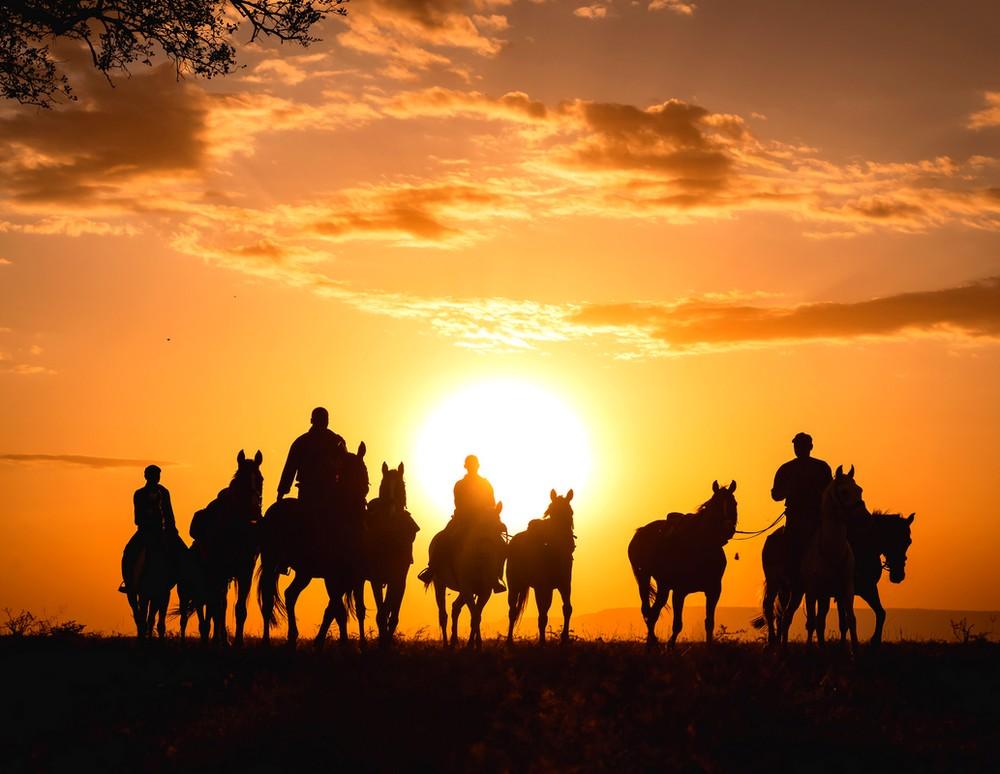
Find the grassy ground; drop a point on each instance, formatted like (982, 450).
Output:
(111, 704)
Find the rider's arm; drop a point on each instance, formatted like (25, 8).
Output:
(289, 471)
(780, 489)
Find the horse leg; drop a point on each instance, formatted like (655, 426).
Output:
(298, 584)
(242, 592)
(395, 592)
(203, 622)
(822, 608)
(810, 618)
(359, 613)
(439, 592)
(456, 610)
(678, 617)
(567, 609)
(711, 600)
(875, 603)
(543, 601)
(476, 610)
(643, 582)
(381, 610)
(794, 599)
(845, 601)
(161, 624)
(662, 591)
(328, 615)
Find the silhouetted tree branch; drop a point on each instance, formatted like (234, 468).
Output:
(196, 35)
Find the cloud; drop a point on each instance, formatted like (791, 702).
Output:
(592, 12)
(988, 116)
(680, 7)
(28, 369)
(419, 34)
(968, 311)
(5, 262)
(78, 460)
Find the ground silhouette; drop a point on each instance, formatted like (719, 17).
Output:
(116, 704)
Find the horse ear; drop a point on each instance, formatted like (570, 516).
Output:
(909, 519)
(258, 457)
(553, 495)
(850, 473)
(362, 449)
(400, 468)
(840, 471)
(569, 496)
(385, 467)
(715, 486)
(241, 457)
(499, 507)
(732, 486)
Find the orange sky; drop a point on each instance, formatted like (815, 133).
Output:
(703, 226)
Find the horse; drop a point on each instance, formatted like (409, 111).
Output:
(389, 534)
(148, 592)
(541, 558)
(880, 534)
(683, 552)
(225, 537)
(192, 593)
(827, 568)
(465, 561)
(332, 550)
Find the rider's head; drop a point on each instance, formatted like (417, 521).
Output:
(152, 474)
(320, 418)
(803, 444)
(472, 464)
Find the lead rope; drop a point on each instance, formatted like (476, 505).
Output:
(756, 533)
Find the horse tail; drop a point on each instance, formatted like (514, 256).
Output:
(272, 607)
(647, 586)
(349, 603)
(517, 600)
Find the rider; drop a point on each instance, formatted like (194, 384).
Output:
(475, 507)
(801, 483)
(154, 520)
(316, 457)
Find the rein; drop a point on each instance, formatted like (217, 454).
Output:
(750, 535)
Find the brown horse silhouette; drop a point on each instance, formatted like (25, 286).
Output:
(465, 561)
(389, 534)
(684, 552)
(225, 540)
(827, 566)
(875, 536)
(541, 558)
(327, 545)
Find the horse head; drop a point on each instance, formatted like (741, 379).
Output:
(843, 494)
(894, 539)
(392, 490)
(560, 511)
(246, 489)
(353, 483)
(722, 507)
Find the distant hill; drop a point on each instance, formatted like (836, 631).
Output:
(626, 623)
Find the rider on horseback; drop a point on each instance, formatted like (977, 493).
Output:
(316, 457)
(801, 483)
(475, 509)
(155, 526)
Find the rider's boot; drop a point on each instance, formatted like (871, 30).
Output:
(425, 575)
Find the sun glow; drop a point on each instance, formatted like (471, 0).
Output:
(528, 441)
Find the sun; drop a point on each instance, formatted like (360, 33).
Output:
(528, 440)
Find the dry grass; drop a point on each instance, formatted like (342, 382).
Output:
(113, 704)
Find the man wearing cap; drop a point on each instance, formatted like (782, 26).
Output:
(801, 483)
(154, 521)
(315, 457)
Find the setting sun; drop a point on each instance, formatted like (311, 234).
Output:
(528, 441)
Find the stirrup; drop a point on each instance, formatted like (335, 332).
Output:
(498, 587)
(122, 589)
(425, 576)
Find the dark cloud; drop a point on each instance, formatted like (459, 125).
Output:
(78, 460)
(971, 310)
(147, 124)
